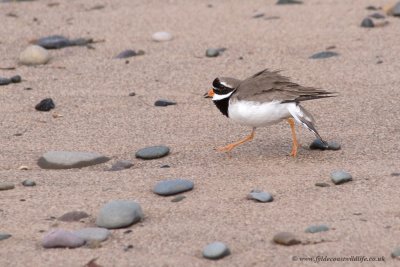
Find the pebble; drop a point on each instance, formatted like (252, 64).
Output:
(28, 182)
(62, 238)
(258, 15)
(215, 251)
(286, 238)
(164, 103)
(367, 23)
(395, 174)
(260, 196)
(317, 228)
(285, 2)
(322, 184)
(4, 236)
(161, 36)
(212, 52)
(396, 9)
(318, 144)
(324, 54)
(93, 234)
(172, 187)
(45, 105)
(16, 79)
(59, 41)
(119, 213)
(68, 159)
(34, 55)
(340, 177)
(178, 198)
(73, 216)
(377, 16)
(129, 53)
(4, 81)
(153, 152)
(121, 165)
(6, 186)
(132, 94)
(23, 168)
(396, 253)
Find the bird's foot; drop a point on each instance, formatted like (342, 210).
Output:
(226, 148)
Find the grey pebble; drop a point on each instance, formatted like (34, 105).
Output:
(258, 15)
(4, 236)
(4, 81)
(132, 94)
(395, 174)
(377, 16)
(260, 196)
(318, 144)
(396, 253)
(129, 53)
(317, 228)
(121, 165)
(68, 159)
(286, 2)
(16, 79)
(93, 234)
(6, 186)
(322, 184)
(212, 52)
(367, 23)
(324, 54)
(396, 9)
(153, 152)
(46, 104)
(178, 198)
(164, 103)
(73, 216)
(340, 177)
(119, 213)
(28, 182)
(172, 187)
(62, 238)
(215, 251)
(372, 8)
(286, 238)
(53, 42)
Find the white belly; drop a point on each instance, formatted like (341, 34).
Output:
(258, 114)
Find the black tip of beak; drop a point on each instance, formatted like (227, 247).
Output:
(206, 95)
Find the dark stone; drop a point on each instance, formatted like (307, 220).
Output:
(367, 23)
(164, 103)
(396, 9)
(45, 105)
(377, 16)
(165, 166)
(395, 174)
(53, 42)
(288, 2)
(129, 53)
(153, 152)
(178, 198)
(258, 15)
(28, 182)
(322, 184)
(4, 81)
(373, 8)
(16, 79)
(324, 54)
(318, 144)
(80, 41)
(73, 216)
(132, 94)
(121, 165)
(172, 187)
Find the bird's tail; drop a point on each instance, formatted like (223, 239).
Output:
(302, 116)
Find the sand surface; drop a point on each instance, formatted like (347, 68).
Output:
(91, 90)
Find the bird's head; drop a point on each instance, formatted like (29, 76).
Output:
(222, 88)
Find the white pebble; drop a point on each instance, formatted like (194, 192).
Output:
(34, 55)
(162, 36)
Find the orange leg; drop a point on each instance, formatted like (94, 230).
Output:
(295, 144)
(233, 145)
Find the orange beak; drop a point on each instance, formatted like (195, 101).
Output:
(209, 94)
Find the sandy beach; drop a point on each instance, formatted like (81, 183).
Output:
(94, 113)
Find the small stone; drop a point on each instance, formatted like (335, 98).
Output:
(317, 228)
(161, 36)
(340, 177)
(121, 165)
(4, 236)
(285, 238)
(153, 152)
(178, 198)
(4, 81)
(324, 54)
(73, 216)
(45, 105)
(286, 2)
(34, 55)
(322, 184)
(396, 9)
(129, 53)
(258, 15)
(212, 52)
(28, 182)
(61, 238)
(119, 213)
(373, 8)
(215, 251)
(53, 42)
(396, 253)
(164, 103)
(128, 247)
(68, 160)
(23, 168)
(331, 47)
(377, 16)
(132, 94)
(6, 186)
(367, 23)
(318, 144)
(172, 187)
(395, 174)
(93, 234)
(260, 196)
(333, 145)
(16, 79)
(165, 166)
